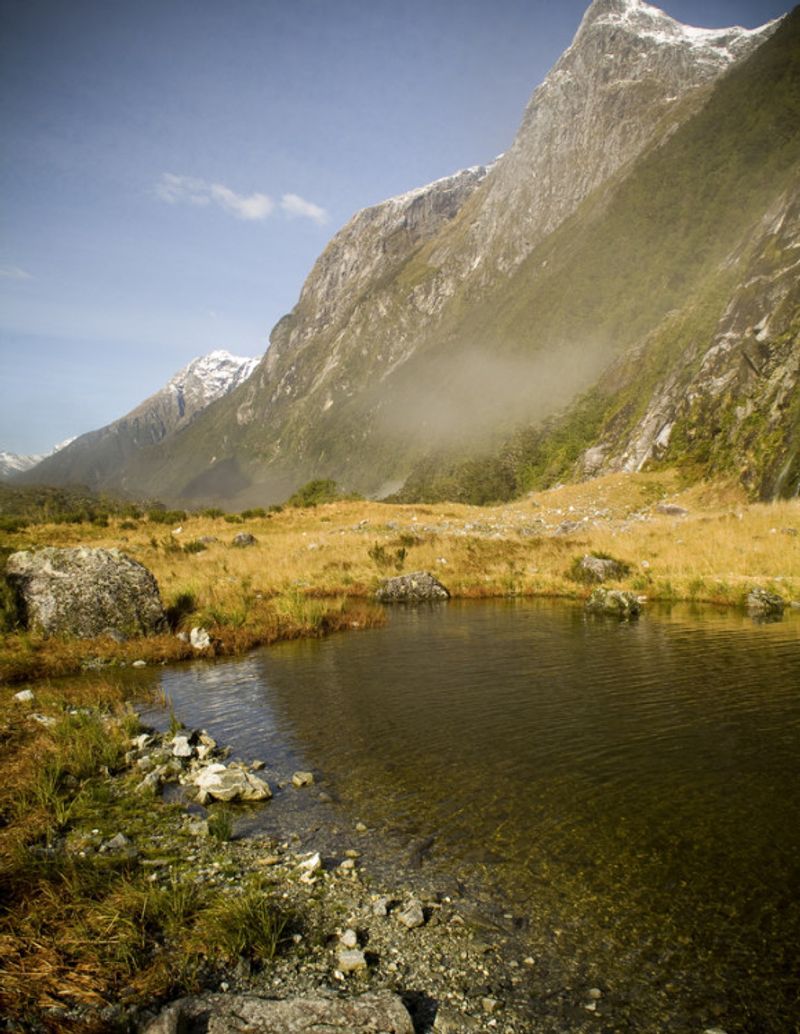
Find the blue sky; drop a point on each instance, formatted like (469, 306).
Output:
(172, 168)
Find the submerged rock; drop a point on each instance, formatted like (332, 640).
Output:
(229, 1013)
(412, 588)
(86, 592)
(760, 601)
(612, 601)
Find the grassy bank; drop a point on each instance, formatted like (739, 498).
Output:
(87, 927)
(314, 570)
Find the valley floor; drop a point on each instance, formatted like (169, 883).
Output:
(82, 923)
(315, 570)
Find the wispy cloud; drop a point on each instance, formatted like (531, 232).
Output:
(294, 205)
(14, 273)
(188, 190)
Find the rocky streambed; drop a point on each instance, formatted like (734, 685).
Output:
(379, 939)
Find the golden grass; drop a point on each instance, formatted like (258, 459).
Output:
(307, 562)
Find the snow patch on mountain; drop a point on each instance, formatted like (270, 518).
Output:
(211, 376)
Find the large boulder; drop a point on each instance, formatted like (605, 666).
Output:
(379, 1013)
(611, 601)
(412, 588)
(591, 568)
(86, 592)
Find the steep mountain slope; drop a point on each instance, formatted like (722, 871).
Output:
(93, 459)
(426, 328)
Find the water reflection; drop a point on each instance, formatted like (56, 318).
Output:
(630, 785)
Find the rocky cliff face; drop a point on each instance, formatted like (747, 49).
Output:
(96, 458)
(730, 401)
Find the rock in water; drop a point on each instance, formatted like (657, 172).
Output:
(611, 601)
(85, 592)
(229, 1014)
(760, 601)
(412, 588)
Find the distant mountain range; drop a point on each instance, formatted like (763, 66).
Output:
(95, 459)
(620, 288)
(11, 463)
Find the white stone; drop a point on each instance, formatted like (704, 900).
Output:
(199, 638)
(25, 696)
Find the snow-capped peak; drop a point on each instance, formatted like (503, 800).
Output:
(212, 376)
(11, 463)
(649, 22)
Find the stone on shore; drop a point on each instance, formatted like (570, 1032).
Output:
(86, 592)
(611, 601)
(300, 779)
(230, 784)
(419, 587)
(601, 569)
(199, 638)
(381, 1012)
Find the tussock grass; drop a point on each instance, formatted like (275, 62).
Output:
(313, 570)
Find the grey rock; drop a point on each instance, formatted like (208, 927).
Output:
(181, 748)
(601, 569)
(611, 601)
(671, 510)
(418, 587)
(230, 784)
(199, 638)
(243, 539)
(379, 1013)
(25, 696)
(760, 601)
(451, 1021)
(411, 915)
(83, 592)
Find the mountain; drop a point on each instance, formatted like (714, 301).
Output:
(11, 463)
(94, 459)
(615, 289)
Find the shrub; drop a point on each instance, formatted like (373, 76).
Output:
(195, 546)
(256, 511)
(315, 493)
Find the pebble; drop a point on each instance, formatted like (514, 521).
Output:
(312, 863)
(24, 696)
(489, 1005)
(351, 961)
(360, 827)
(411, 915)
(139, 664)
(303, 779)
(349, 939)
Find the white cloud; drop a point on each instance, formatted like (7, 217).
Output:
(252, 206)
(14, 273)
(294, 205)
(188, 190)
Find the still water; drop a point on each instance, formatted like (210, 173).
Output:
(629, 792)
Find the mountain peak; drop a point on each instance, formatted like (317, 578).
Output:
(650, 23)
